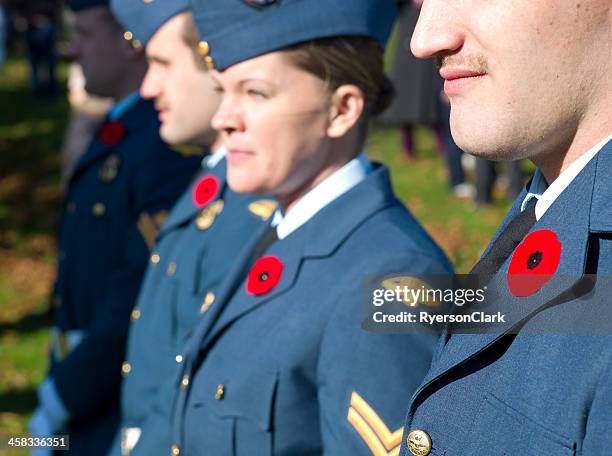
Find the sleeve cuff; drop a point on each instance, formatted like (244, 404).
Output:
(52, 404)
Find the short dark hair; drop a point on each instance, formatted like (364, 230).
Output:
(191, 38)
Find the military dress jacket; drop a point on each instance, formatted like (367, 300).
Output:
(194, 251)
(290, 371)
(120, 191)
(543, 387)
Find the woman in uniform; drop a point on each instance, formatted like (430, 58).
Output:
(279, 363)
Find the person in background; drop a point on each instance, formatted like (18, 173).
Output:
(38, 22)
(118, 195)
(416, 84)
(200, 240)
(529, 80)
(280, 363)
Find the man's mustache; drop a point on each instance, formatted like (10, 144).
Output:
(472, 62)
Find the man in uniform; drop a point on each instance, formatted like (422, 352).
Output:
(203, 234)
(537, 76)
(119, 194)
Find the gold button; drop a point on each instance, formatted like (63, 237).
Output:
(135, 314)
(71, 207)
(210, 63)
(175, 450)
(127, 36)
(126, 368)
(208, 300)
(171, 268)
(136, 44)
(185, 382)
(179, 358)
(220, 392)
(155, 258)
(98, 209)
(419, 442)
(204, 48)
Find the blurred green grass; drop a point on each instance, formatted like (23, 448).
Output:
(31, 132)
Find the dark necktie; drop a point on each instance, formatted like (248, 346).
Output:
(267, 239)
(501, 249)
(505, 244)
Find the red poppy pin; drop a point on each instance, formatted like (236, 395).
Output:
(205, 190)
(264, 275)
(112, 133)
(534, 262)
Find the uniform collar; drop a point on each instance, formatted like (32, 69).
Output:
(320, 196)
(123, 105)
(546, 194)
(212, 160)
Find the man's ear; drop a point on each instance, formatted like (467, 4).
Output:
(347, 105)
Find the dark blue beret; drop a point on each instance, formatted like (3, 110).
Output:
(77, 5)
(142, 18)
(236, 30)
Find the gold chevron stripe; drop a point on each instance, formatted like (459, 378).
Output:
(372, 429)
(369, 436)
(388, 438)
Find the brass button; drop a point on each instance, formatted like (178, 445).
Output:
(135, 314)
(126, 368)
(136, 44)
(179, 358)
(185, 381)
(208, 300)
(204, 48)
(127, 36)
(419, 442)
(171, 268)
(175, 450)
(98, 209)
(210, 63)
(220, 392)
(155, 258)
(71, 207)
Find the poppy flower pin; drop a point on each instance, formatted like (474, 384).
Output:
(534, 262)
(112, 133)
(205, 190)
(264, 275)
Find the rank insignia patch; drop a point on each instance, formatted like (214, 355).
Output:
(110, 168)
(372, 429)
(263, 208)
(207, 216)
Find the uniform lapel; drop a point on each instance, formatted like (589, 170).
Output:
(569, 218)
(347, 212)
(185, 209)
(140, 114)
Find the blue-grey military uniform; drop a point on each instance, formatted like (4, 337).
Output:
(194, 250)
(523, 391)
(117, 197)
(192, 255)
(284, 368)
(291, 371)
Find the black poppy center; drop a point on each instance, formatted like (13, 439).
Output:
(534, 260)
(263, 276)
